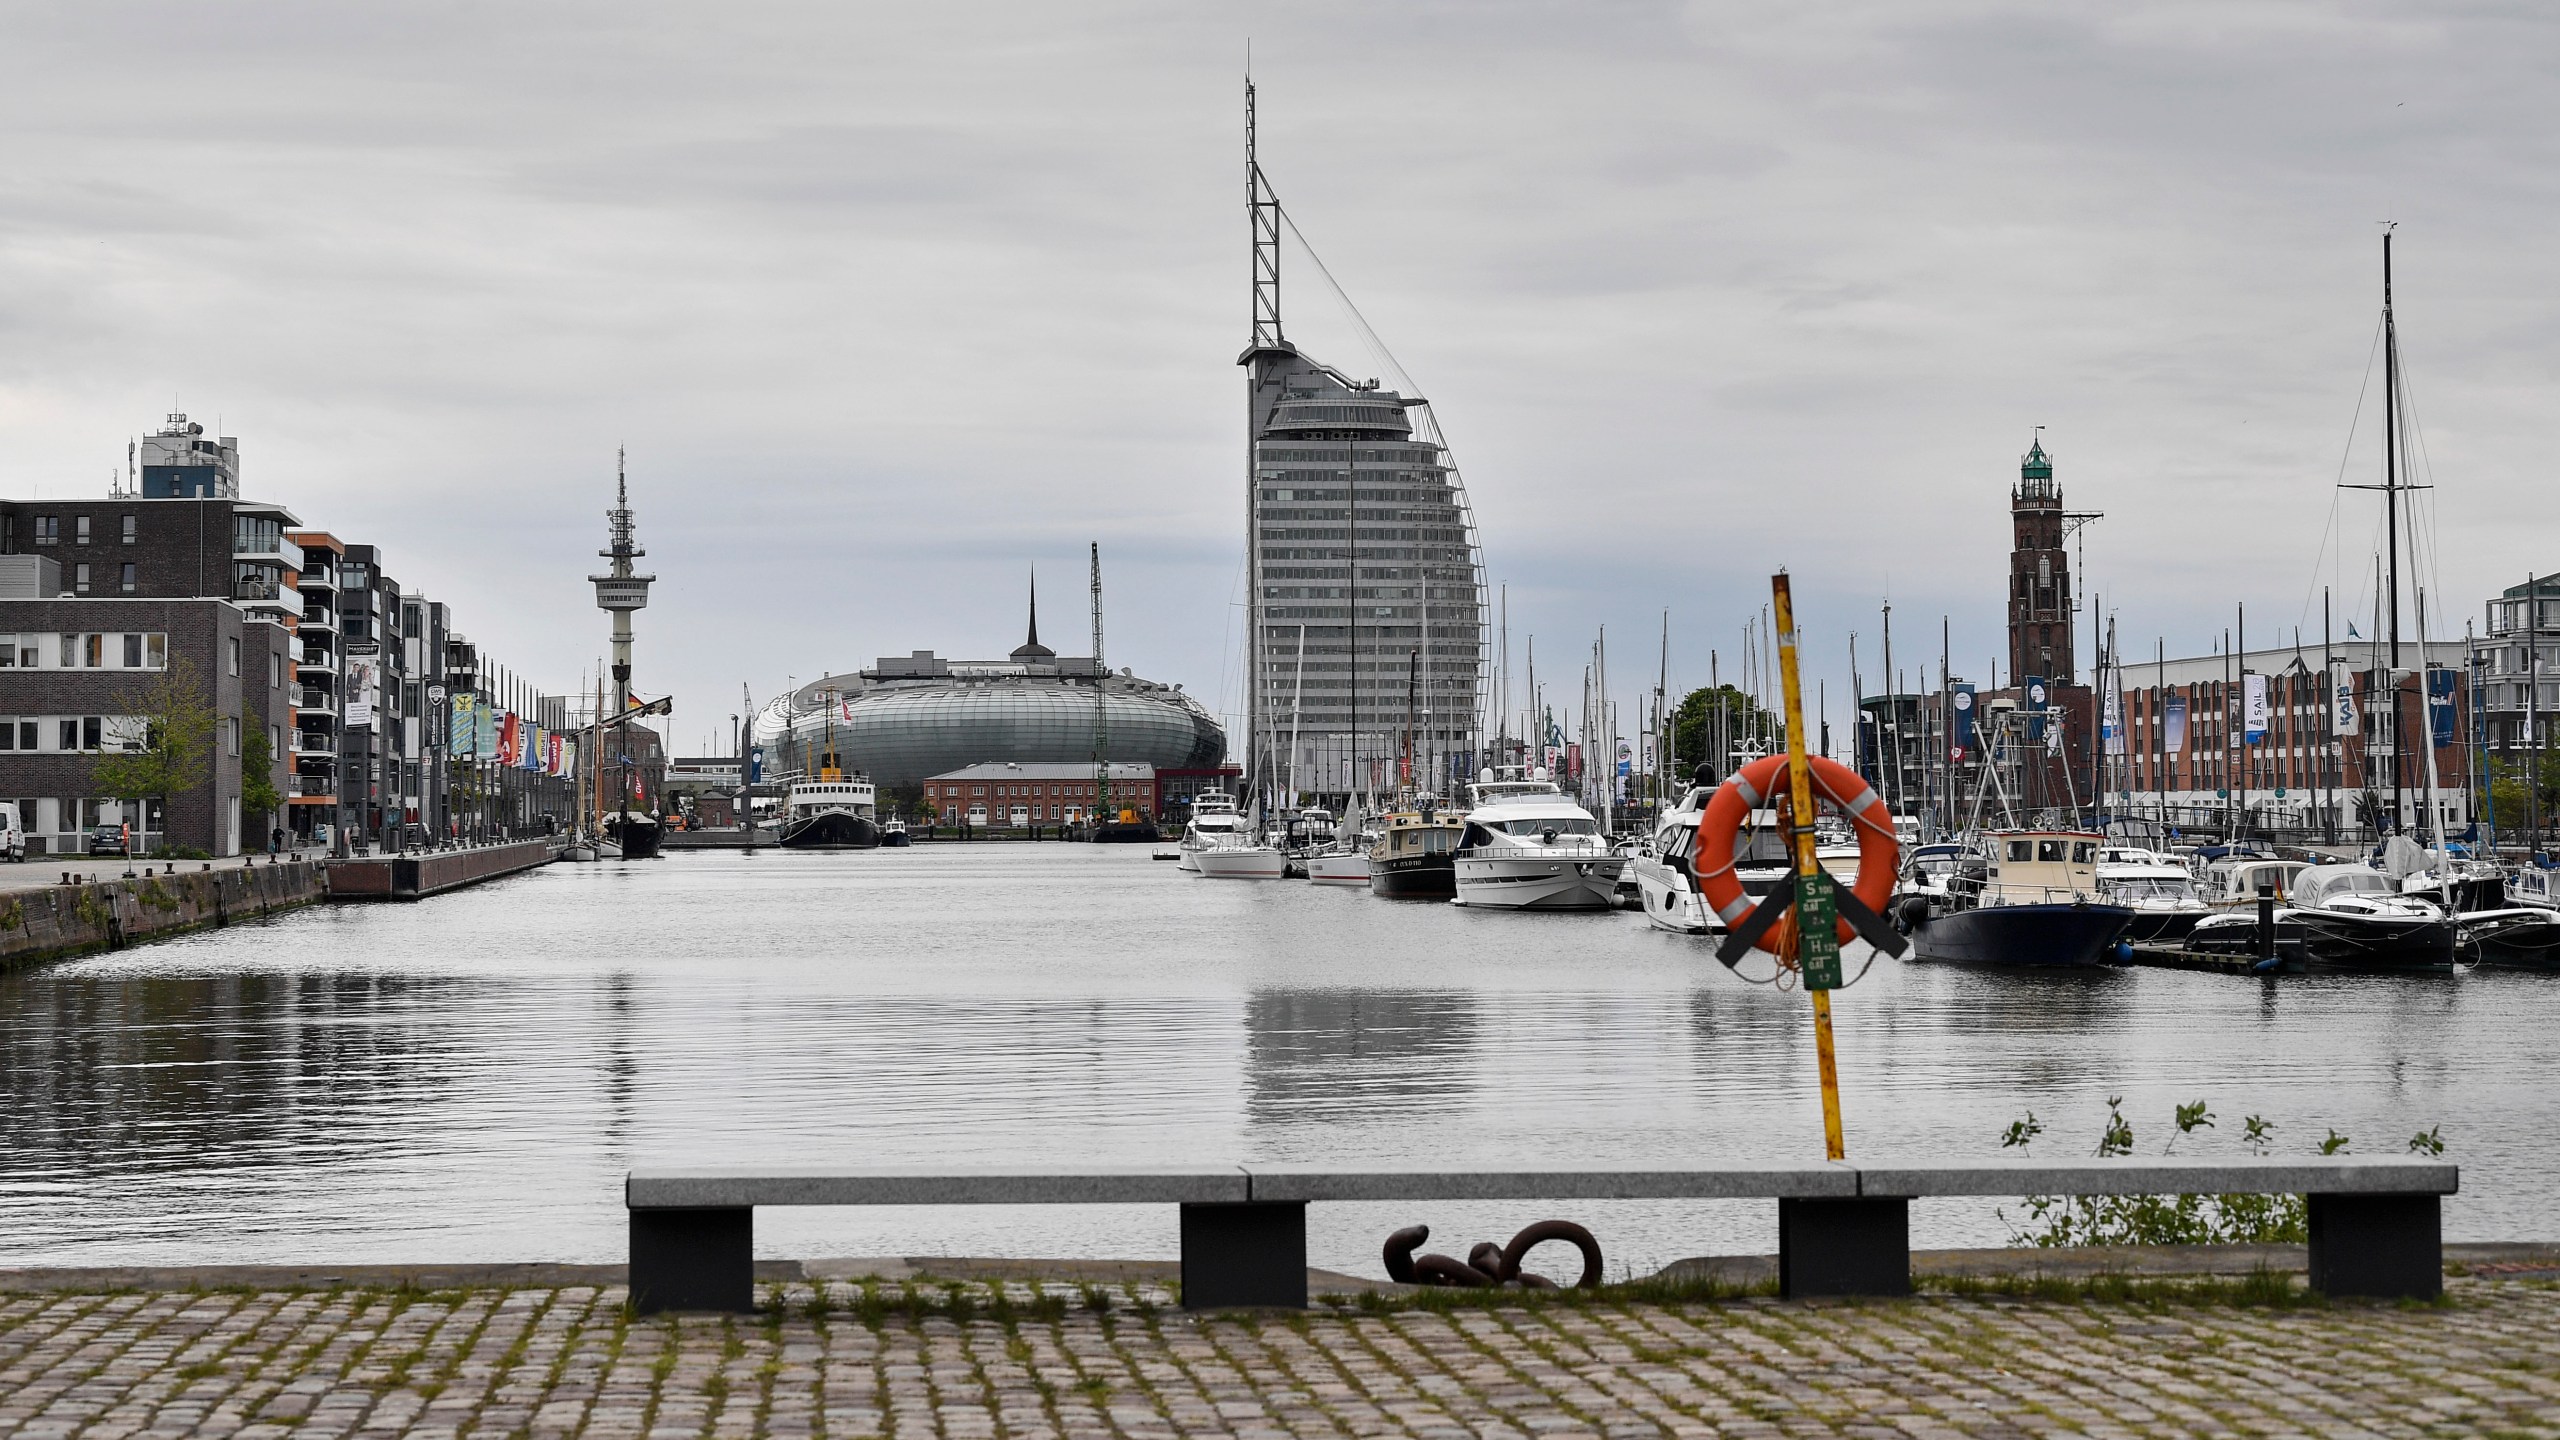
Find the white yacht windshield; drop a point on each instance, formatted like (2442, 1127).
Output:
(2153, 888)
(1558, 825)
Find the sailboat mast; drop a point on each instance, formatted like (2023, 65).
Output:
(2391, 513)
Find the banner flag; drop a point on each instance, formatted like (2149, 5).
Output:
(463, 730)
(360, 692)
(486, 716)
(2253, 708)
(2113, 724)
(2035, 697)
(2344, 718)
(2440, 687)
(2174, 724)
(510, 738)
(1963, 725)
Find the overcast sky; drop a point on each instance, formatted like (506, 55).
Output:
(891, 303)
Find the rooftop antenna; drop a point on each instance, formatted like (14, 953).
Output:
(1265, 208)
(1101, 714)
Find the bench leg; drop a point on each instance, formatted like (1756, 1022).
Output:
(1250, 1253)
(2386, 1245)
(692, 1260)
(1844, 1247)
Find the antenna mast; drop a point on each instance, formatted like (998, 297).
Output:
(1101, 715)
(1265, 208)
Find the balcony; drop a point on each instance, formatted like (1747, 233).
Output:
(308, 744)
(317, 617)
(313, 698)
(311, 787)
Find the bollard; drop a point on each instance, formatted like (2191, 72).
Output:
(2266, 921)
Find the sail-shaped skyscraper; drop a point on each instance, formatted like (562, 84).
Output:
(1367, 581)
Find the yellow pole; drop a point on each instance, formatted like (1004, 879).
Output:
(1816, 947)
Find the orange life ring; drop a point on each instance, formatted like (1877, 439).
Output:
(1759, 783)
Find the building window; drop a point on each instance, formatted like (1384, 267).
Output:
(80, 578)
(26, 734)
(128, 529)
(48, 529)
(92, 727)
(155, 652)
(133, 652)
(230, 735)
(232, 650)
(126, 577)
(80, 528)
(70, 734)
(93, 651)
(275, 671)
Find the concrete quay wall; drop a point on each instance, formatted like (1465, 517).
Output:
(108, 914)
(432, 872)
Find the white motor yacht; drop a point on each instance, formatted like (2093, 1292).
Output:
(1214, 822)
(1242, 858)
(1528, 846)
(2157, 889)
(1665, 885)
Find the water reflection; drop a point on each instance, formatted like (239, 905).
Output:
(468, 1078)
(1322, 1056)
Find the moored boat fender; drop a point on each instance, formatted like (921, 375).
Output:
(1755, 784)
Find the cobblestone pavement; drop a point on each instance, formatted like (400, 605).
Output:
(1018, 1361)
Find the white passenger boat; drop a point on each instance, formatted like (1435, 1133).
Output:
(831, 812)
(1527, 846)
(1214, 822)
(1338, 867)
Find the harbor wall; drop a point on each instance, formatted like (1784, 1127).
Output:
(432, 872)
(54, 921)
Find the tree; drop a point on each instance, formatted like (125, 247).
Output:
(2519, 798)
(1694, 729)
(258, 795)
(166, 741)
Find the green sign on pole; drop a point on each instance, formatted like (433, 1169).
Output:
(1817, 931)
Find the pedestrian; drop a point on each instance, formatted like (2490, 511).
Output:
(275, 840)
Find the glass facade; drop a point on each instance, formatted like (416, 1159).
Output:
(1368, 587)
(899, 733)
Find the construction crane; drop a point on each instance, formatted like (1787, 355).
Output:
(1102, 808)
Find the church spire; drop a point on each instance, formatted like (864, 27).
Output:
(1031, 648)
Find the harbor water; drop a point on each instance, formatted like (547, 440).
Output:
(467, 1079)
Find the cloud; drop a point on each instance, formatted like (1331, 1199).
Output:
(888, 303)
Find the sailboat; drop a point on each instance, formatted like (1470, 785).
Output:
(588, 842)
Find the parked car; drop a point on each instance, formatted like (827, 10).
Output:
(106, 840)
(13, 836)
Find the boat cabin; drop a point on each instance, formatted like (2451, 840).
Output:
(2235, 881)
(809, 797)
(2030, 867)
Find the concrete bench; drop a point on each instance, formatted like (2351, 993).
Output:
(1842, 1229)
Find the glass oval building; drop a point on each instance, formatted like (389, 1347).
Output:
(911, 716)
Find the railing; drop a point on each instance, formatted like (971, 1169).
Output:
(315, 698)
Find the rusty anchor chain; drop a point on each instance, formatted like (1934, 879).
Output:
(1488, 1264)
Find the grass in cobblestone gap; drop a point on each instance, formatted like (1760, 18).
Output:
(2260, 1289)
(1649, 1291)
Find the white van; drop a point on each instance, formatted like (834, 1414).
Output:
(13, 836)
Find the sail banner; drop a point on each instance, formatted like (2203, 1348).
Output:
(487, 717)
(2344, 718)
(2035, 694)
(2440, 687)
(510, 739)
(463, 730)
(2173, 727)
(2111, 724)
(2253, 708)
(534, 749)
(1962, 728)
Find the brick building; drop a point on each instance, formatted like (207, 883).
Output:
(1047, 791)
